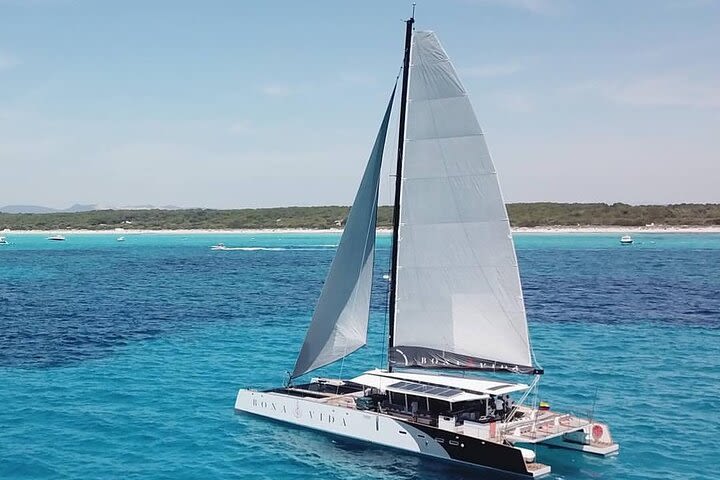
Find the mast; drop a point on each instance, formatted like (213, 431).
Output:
(398, 179)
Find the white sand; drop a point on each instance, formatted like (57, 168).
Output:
(121, 232)
(620, 230)
(542, 230)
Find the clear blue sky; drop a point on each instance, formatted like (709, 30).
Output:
(237, 104)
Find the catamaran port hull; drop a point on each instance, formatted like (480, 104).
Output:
(382, 429)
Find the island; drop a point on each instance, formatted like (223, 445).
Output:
(524, 216)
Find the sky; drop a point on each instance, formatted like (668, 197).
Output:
(233, 104)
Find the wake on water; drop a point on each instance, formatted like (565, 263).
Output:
(277, 249)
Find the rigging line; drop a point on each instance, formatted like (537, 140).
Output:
(532, 351)
(386, 319)
(525, 395)
(384, 342)
(342, 365)
(535, 408)
(520, 402)
(592, 412)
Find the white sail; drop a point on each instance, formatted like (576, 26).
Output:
(459, 301)
(339, 324)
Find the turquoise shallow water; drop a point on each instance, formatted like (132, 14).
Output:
(122, 359)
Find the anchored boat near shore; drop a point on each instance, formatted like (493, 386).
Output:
(456, 305)
(626, 240)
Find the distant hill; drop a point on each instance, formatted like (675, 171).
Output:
(521, 215)
(26, 209)
(78, 208)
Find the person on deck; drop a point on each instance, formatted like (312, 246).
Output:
(499, 405)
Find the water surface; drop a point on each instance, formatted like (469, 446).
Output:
(122, 359)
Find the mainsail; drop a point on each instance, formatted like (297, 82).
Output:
(339, 324)
(458, 301)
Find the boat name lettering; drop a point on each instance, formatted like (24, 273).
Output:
(319, 416)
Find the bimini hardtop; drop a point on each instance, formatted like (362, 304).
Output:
(456, 305)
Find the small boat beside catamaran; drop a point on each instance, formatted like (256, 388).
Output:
(456, 305)
(56, 238)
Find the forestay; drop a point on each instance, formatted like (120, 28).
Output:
(339, 324)
(459, 302)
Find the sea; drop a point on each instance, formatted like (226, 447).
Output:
(123, 359)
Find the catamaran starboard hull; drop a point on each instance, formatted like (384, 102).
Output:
(380, 429)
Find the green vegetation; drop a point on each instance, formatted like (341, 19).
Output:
(617, 214)
(521, 215)
(287, 217)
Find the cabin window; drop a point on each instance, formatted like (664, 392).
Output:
(440, 440)
(421, 403)
(454, 442)
(439, 406)
(399, 400)
(396, 399)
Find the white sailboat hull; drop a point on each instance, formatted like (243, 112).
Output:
(381, 429)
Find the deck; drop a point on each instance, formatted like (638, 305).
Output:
(535, 426)
(540, 426)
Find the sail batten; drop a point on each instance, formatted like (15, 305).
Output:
(458, 299)
(339, 323)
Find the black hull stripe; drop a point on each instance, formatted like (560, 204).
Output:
(478, 452)
(506, 461)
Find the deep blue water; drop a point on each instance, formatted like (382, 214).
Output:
(122, 359)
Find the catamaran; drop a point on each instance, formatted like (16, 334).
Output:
(455, 302)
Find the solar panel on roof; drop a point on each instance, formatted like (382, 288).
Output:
(427, 389)
(435, 390)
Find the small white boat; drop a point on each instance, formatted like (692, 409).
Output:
(219, 246)
(57, 238)
(626, 240)
(3, 241)
(121, 239)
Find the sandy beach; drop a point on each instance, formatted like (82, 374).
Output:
(620, 230)
(199, 231)
(657, 229)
